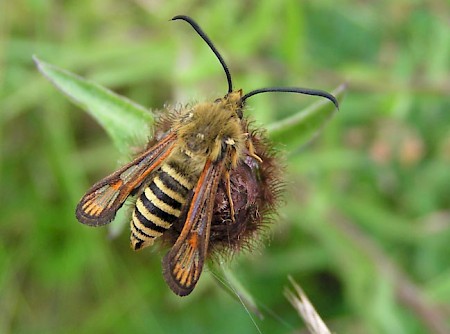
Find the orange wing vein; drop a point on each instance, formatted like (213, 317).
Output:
(100, 204)
(183, 264)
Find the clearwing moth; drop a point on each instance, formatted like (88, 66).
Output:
(206, 183)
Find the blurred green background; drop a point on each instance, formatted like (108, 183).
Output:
(366, 225)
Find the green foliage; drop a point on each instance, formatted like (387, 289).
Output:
(120, 117)
(365, 229)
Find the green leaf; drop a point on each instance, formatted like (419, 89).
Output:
(125, 121)
(301, 127)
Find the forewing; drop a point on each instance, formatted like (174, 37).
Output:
(100, 204)
(183, 264)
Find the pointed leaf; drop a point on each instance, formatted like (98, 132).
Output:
(300, 128)
(125, 121)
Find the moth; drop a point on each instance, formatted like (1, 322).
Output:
(206, 183)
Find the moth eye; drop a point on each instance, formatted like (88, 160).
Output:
(223, 147)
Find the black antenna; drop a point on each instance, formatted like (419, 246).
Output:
(306, 91)
(210, 44)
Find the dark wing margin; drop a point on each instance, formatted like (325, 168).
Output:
(100, 204)
(183, 264)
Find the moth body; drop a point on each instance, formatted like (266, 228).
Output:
(206, 183)
(203, 132)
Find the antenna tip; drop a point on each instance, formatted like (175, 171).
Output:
(180, 17)
(333, 99)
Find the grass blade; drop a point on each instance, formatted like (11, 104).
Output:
(305, 309)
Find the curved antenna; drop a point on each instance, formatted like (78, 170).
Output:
(305, 91)
(210, 44)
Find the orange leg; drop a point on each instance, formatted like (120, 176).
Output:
(230, 200)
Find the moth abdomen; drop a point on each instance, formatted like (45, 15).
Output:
(159, 205)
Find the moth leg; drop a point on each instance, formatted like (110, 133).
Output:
(230, 199)
(251, 150)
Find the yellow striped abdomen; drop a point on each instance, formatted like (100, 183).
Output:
(159, 205)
